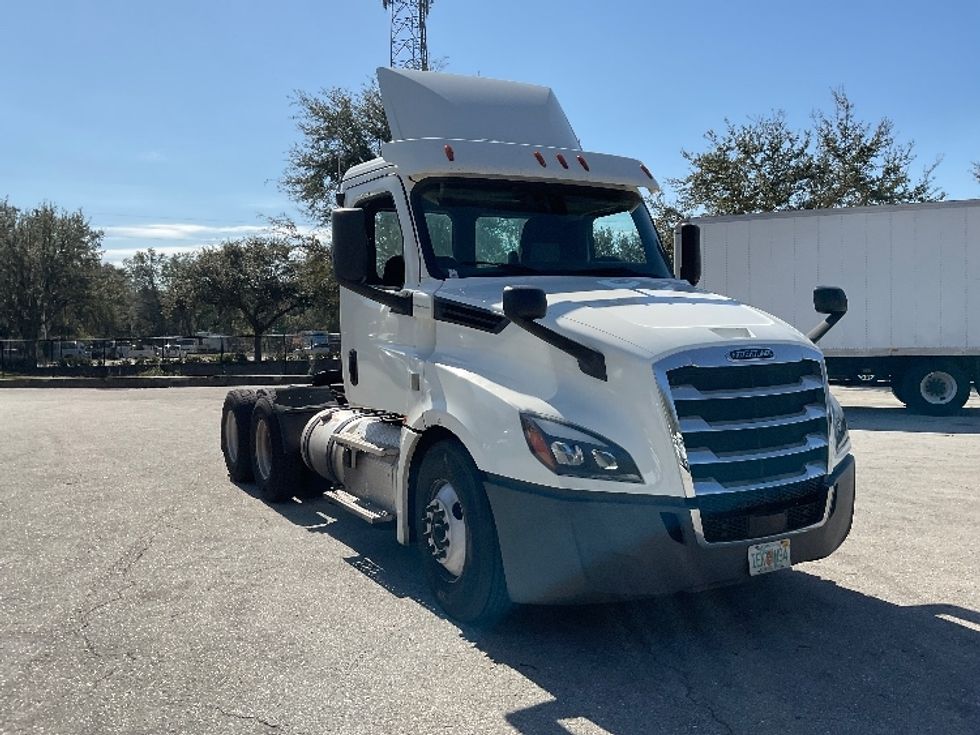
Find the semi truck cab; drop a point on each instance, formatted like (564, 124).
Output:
(529, 393)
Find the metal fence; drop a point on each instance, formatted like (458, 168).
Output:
(202, 354)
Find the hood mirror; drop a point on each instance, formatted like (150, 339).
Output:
(524, 303)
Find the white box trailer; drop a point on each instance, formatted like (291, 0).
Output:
(912, 277)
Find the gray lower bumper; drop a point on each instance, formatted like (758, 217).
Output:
(562, 547)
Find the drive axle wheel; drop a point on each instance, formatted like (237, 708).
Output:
(279, 474)
(236, 418)
(939, 388)
(457, 536)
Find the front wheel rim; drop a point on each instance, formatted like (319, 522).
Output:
(231, 437)
(938, 387)
(445, 529)
(263, 449)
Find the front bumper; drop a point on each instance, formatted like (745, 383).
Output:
(566, 547)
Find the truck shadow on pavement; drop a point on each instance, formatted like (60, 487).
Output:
(897, 418)
(787, 653)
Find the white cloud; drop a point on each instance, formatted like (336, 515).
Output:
(151, 157)
(180, 231)
(117, 255)
(123, 241)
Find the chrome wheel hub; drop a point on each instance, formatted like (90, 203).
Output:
(444, 530)
(938, 387)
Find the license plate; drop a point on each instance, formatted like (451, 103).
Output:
(769, 557)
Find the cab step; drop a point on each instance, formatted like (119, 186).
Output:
(363, 509)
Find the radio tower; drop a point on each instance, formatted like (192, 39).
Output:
(408, 46)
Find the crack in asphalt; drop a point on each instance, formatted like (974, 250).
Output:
(254, 718)
(234, 714)
(634, 627)
(120, 570)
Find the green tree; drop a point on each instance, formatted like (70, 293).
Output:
(339, 129)
(184, 310)
(859, 164)
(666, 215)
(758, 166)
(49, 265)
(764, 165)
(260, 278)
(976, 171)
(109, 311)
(145, 271)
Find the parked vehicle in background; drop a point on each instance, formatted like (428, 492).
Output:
(528, 394)
(179, 347)
(213, 343)
(912, 273)
(109, 349)
(320, 344)
(137, 350)
(70, 350)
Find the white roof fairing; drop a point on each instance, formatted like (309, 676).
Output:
(425, 104)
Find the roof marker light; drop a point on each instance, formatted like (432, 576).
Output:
(450, 153)
(562, 161)
(583, 162)
(645, 170)
(540, 158)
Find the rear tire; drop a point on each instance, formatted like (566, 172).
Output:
(236, 421)
(457, 536)
(279, 475)
(935, 388)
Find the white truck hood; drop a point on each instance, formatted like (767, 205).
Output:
(649, 316)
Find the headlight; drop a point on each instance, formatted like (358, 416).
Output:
(840, 440)
(568, 450)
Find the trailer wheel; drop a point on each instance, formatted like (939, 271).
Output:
(279, 475)
(236, 419)
(457, 536)
(938, 389)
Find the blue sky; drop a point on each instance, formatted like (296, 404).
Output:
(168, 123)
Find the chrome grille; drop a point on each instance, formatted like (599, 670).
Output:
(748, 427)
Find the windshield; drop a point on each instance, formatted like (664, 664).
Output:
(500, 228)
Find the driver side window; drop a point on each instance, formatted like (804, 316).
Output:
(386, 242)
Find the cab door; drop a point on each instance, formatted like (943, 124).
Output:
(378, 328)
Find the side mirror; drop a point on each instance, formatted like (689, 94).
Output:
(350, 245)
(688, 237)
(524, 303)
(829, 300)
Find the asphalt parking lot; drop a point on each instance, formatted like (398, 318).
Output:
(142, 592)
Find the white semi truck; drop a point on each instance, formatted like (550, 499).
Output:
(915, 267)
(528, 394)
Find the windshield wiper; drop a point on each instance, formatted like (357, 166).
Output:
(515, 268)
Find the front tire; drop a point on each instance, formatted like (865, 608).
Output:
(279, 475)
(935, 388)
(457, 537)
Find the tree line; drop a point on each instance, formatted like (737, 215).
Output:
(53, 283)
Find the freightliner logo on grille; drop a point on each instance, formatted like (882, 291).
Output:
(751, 353)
